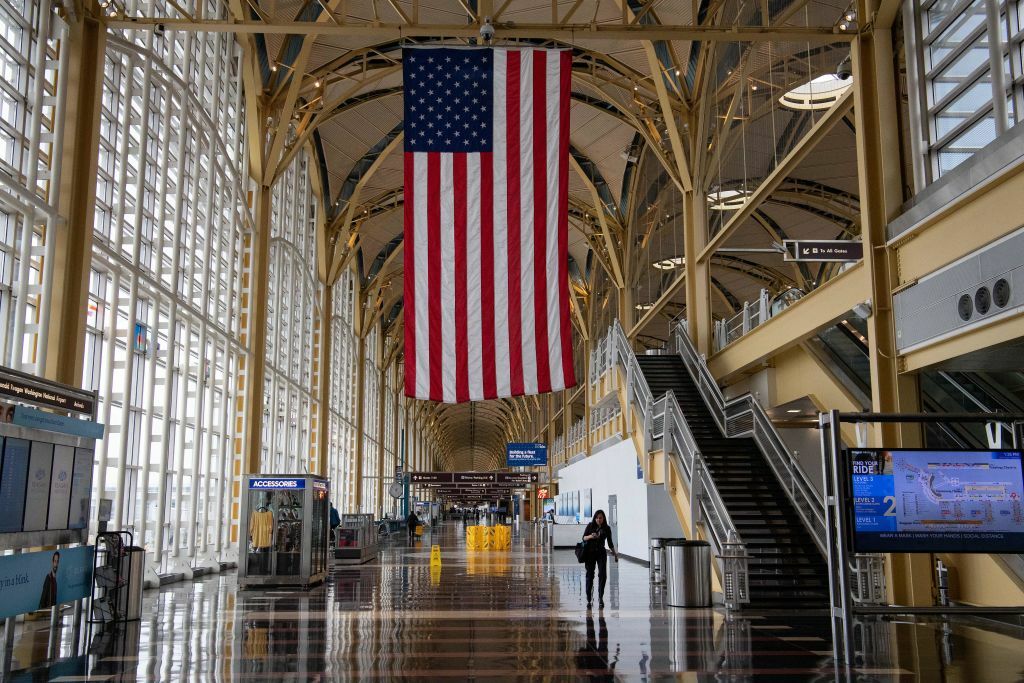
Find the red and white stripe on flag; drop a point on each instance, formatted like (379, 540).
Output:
(486, 233)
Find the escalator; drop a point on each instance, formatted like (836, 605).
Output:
(786, 570)
(845, 346)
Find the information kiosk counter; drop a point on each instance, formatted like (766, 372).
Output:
(285, 525)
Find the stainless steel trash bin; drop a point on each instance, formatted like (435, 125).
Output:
(687, 573)
(134, 568)
(656, 559)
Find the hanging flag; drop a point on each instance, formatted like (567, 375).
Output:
(486, 223)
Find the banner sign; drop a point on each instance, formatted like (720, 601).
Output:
(22, 390)
(31, 581)
(276, 484)
(823, 250)
(27, 416)
(526, 454)
(436, 479)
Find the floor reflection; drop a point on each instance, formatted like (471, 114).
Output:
(495, 615)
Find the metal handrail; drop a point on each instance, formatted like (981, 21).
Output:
(707, 509)
(743, 416)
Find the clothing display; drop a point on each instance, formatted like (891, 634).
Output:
(261, 528)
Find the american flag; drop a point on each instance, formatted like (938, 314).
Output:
(486, 223)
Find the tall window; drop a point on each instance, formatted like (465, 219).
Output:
(965, 56)
(163, 322)
(342, 410)
(31, 117)
(290, 401)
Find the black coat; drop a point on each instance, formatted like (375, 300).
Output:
(596, 545)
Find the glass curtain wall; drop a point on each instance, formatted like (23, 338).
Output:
(293, 309)
(965, 58)
(163, 321)
(32, 104)
(342, 409)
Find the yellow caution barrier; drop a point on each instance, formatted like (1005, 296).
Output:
(488, 537)
(435, 555)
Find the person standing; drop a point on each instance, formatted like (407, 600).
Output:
(412, 521)
(335, 520)
(595, 536)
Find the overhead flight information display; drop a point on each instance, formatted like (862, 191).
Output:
(937, 501)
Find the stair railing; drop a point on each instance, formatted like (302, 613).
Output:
(707, 509)
(743, 416)
(664, 420)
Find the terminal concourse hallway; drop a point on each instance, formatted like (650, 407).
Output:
(489, 615)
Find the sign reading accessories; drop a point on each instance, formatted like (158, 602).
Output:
(275, 484)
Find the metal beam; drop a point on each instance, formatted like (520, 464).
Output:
(613, 255)
(574, 33)
(682, 166)
(780, 172)
(665, 297)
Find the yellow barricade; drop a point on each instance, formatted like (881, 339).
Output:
(488, 537)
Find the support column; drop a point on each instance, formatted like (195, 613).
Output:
(323, 415)
(72, 254)
(360, 414)
(256, 329)
(698, 274)
(909, 577)
(382, 385)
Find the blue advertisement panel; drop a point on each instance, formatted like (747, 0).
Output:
(37, 493)
(81, 489)
(526, 454)
(937, 501)
(32, 581)
(13, 477)
(40, 419)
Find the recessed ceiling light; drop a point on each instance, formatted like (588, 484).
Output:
(793, 410)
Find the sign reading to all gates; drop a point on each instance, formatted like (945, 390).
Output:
(526, 454)
(277, 484)
(823, 250)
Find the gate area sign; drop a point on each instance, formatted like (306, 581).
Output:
(526, 454)
(823, 250)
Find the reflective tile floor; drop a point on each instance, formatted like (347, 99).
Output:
(490, 615)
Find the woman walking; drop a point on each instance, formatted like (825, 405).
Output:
(595, 536)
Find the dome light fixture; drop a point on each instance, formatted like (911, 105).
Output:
(727, 200)
(670, 263)
(644, 307)
(818, 93)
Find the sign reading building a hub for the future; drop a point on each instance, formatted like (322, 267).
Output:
(526, 454)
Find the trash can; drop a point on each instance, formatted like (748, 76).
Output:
(656, 559)
(687, 568)
(135, 564)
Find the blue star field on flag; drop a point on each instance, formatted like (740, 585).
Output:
(448, 100)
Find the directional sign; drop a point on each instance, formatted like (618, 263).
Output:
(430, 477)
(823, 250)
(474, 477)
(517, 477)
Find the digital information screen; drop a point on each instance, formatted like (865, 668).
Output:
(936, 501)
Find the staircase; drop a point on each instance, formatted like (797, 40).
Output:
(786, 569)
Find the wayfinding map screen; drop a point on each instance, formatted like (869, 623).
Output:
(937, 501)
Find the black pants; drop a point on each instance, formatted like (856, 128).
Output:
(598, 559)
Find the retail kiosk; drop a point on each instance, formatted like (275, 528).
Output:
(285, 527)
(356, 539)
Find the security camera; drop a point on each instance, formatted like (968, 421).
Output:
(845, 69)
(487, 30)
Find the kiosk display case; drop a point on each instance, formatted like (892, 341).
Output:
(285, 522)
(356, 539)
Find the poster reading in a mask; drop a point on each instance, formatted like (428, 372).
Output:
(31, 581)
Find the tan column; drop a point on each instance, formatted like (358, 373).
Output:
(698, 275)
(381, 402)
(909, 577)
(256, 329)
(87, 40)
(360, 418)
(323, 418)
